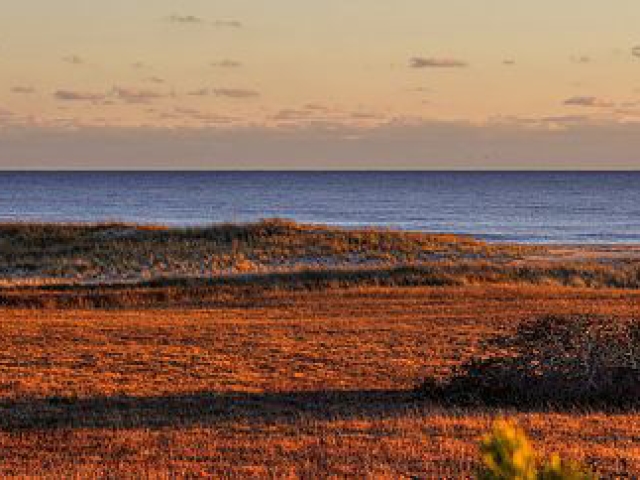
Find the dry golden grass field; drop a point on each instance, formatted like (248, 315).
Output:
(286, 384)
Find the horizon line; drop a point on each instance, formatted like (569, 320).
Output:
(318, 170)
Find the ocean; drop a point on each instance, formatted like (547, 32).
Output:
(528, 207)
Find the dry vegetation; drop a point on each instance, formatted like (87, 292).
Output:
(561, 361)
(283, 383)
(108, 253)
(226, 291)
(115, 265)
(278, 350)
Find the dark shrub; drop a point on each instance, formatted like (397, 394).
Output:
(579, 360)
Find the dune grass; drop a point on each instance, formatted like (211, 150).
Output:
(110, 253)
(233, 289)
(119, 265)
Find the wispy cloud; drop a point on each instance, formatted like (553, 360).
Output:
(628, 111)
(314, 114)
(291, 114)
(423, 62)
(317, 107)
(23, 89)
(581, 59)
(360, 115)
(236, 93)
(73, 95)
(133, 95)
(73, 60)
(227, 23)
(195, 20)
(226, 63)
(201, 116)
(588, 101)
(200, 92)
(175, 18)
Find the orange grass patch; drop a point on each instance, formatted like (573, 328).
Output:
(291, 384)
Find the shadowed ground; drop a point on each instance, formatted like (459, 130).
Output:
(204, 409)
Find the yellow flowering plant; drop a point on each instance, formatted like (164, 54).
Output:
(507, 454)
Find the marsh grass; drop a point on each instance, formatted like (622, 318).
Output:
(290, 384)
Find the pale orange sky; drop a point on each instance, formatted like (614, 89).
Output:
(296, 84)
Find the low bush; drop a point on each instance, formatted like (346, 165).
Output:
(553, 360)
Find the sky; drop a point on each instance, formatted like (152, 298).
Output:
(336, 84)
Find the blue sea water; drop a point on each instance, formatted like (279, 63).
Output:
(548, 207)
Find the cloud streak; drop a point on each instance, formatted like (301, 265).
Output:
(227, 23)
(200, 92)
(581, 59)
(133, 95)
(588, 101)
(23, 89)
(184, 19)
(239, 93)
(195, 20)
(432, 62)
(226, 63)
(73, 60)
(74, 96)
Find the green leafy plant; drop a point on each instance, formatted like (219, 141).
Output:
(507, 454)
